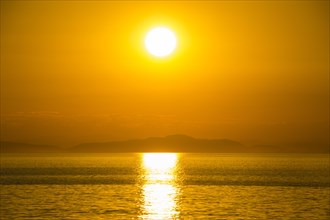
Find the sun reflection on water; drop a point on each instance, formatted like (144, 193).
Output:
(159, 189)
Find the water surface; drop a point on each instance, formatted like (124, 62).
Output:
(165, 186)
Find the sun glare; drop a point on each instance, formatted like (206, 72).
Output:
(160, 41)
(159, 189)
(162, 161)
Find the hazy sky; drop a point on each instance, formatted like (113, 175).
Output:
(255, 72)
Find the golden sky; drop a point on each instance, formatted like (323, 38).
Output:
(255, 72)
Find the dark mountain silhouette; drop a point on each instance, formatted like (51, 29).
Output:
(172, 143)
(13, 147)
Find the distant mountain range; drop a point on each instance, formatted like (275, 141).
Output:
(172, 143)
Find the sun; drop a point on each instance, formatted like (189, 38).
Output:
(160, 41)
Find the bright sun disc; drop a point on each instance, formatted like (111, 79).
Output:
(160, 42)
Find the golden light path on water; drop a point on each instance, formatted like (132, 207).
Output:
(159, 190)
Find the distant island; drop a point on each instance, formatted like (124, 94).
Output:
(171, 143)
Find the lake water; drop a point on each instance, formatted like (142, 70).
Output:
(165, 186)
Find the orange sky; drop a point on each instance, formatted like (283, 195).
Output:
(255, 72)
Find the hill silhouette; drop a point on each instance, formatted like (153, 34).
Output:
(172, 143)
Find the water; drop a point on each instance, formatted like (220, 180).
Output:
(165, 186)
